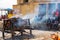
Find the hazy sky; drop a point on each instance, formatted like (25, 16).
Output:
(7, 3)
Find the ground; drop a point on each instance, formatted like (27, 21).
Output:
(36, 35)
(41, 34)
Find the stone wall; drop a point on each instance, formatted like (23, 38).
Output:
(29, 7)
(25, 8)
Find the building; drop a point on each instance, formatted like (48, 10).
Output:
(25, 6)
(38, 7)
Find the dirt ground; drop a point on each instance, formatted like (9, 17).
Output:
(36, 35)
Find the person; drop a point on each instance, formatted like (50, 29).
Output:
(10, 14)
(56, 25)
(16, 20)
(49, 23)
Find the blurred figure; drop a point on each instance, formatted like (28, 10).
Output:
(10, 14)
(49, 23)
(57, 13)
(55, 25)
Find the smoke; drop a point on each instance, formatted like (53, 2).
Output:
(39, 15)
